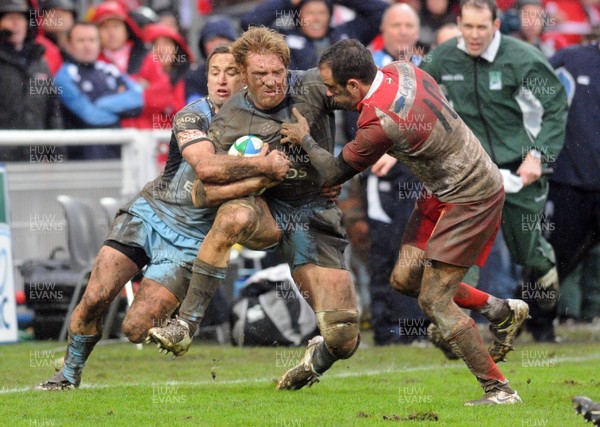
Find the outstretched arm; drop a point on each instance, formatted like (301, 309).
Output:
(334, 170)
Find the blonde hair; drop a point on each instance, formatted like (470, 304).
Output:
(260, 40)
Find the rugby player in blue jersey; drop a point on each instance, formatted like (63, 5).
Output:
(160, 229)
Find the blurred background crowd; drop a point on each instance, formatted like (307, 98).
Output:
(81, 64)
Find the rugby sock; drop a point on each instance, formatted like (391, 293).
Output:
(79, 349)
(205, 280)
(323, 359)
(468, 297)
(466, 342)
(494, 309)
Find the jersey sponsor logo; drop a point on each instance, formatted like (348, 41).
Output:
(297, 173)
(453, 78)
(189, 135)
(188, 186)
(187, 118)
(495, 80)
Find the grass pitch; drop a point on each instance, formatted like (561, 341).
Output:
(225, 386)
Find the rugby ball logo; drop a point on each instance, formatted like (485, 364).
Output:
(246, 146)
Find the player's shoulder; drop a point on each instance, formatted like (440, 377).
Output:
(400, 70)
(195, 115)
(305, 76)
(518, 52)
(303, 83)
(200, 107)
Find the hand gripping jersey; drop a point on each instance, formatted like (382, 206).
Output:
(239, 117)
(406, 115)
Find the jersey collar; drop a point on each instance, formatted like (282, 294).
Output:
(490, 53)
(374, 86)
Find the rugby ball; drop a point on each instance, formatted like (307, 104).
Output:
(246, 146)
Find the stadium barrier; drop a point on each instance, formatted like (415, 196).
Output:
(37, 220)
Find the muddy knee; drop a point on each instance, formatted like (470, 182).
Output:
(235, 222)
(135, 328)
(405, 282)
(427, 302)
(92, 308)
(339, 328)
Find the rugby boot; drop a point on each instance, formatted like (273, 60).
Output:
(303, 374)
(57, 383)
(175, 337)
(504, 333)
(496, 393)
(581, 404)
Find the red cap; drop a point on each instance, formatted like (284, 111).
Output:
(113, 10)
(154, 31)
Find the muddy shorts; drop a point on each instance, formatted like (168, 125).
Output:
(312, 233)
(169, 255)
(460, 234)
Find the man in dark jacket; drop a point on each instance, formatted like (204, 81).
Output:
(575, 184)
(310, 21)
(29, 99)
(94, 94)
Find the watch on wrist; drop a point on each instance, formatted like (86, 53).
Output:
(536, 154)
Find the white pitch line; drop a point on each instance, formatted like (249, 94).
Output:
(349, 374)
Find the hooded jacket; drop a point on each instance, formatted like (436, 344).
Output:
(113, 10)
(165, 95)
(29, 99)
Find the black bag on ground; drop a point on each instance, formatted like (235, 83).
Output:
(271, 312)
(49, 285)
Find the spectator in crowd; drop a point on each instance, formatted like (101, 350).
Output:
(143, 16)
(218, 30)
(417, 5)
(58, 16)
(94, 94)
(172, 52)
(434, 15)
(446, 32)
(400, 34)
(123, 45)
(28, 96)
(576, 183)
(311, 32)
(520, 118)
(170, 20)
(391, 191)
(54, 20)
(527, 21)
(120, 38)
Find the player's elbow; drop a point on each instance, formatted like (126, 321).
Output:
(204, 196)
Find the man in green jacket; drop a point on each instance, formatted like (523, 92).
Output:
(508, 94)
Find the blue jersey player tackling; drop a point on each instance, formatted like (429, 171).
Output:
(161, 230)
